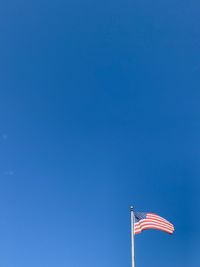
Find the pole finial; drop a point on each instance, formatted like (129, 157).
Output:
(131, 208)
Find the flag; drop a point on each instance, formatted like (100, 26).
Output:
(144, 221)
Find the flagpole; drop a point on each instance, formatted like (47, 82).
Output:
(132, 236)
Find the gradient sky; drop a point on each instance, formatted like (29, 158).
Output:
(99, 109)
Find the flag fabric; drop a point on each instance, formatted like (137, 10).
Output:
(144, 221)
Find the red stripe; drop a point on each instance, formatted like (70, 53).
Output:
(151, 216)
(153, 227)
(143, 225)
(156, 222)
(153, 221)
(158, 228)
(137, 228)
(157, 217)
(138, 232)
(150, 226)
(146, 221)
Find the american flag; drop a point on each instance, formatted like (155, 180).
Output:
(144, 221)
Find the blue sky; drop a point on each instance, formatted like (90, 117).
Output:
(99, 109)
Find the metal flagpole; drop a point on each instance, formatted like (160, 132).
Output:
(132, 236)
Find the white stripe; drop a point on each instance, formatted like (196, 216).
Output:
(161, 223)
(149, 226)
(154, 222)
(150, 215)
(156, 227)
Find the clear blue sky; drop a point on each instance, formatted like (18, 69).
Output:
(99, 109)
